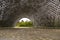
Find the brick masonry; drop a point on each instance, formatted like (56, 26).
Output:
(41, 12)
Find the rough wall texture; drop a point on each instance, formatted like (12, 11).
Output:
(41, 12)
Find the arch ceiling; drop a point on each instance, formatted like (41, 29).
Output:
(43, 12)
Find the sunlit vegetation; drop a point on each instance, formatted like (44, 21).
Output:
(24, 24)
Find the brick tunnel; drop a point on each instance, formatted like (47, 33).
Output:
(41, 12)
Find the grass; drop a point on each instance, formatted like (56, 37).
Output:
(24, 24)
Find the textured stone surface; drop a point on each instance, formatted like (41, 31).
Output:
(41, 12)
(29, 34)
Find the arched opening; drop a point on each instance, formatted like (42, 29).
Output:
(24, 19)
(24, 23)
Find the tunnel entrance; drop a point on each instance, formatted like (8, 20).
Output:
(24, 23)
(41, 13)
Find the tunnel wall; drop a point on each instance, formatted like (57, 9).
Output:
(43, 12)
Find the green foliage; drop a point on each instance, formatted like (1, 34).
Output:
(25, 24)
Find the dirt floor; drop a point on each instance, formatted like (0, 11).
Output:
(29, 34)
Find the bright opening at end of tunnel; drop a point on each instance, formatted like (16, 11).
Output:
(24, 19)
(24, 23)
